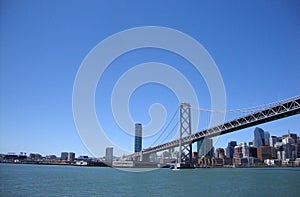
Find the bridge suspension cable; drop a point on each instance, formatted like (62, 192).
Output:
(170, 132)
(165, 129)
(245, 110)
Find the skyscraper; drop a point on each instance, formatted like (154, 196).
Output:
(245, 149)
(67, 156)
(230, 149)
(138, 137)
(267, 138)
(109, 154)
(273, 140)
(259, 137)
(64, 156)
(205, 148)
(71, 156)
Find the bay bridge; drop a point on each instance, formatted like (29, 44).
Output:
(266, 113)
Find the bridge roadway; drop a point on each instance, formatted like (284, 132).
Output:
(276, 111)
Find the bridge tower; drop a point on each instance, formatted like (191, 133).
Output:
(185, 150)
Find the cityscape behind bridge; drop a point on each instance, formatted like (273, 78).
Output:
(257, 115)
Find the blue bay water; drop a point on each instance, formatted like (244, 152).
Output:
(45, 180)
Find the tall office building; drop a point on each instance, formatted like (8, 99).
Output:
(267, 138)
(237, 152)
(259, 137)
(205, 148)
(288, 151)
(109, 154)
(273, 140)
(138, 137)
(230, 149)
(264, 152)
(252, 151)
(64, 156)
(71, 156)
(245, 149)
(67, 156)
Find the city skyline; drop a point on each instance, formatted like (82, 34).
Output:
(209, 148)
(255, 46)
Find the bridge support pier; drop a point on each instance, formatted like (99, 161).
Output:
(185, 150)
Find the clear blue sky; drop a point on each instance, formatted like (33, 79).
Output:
(256, 46)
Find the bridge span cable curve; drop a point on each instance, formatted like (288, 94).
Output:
(247, 109)
(165, 129)
(171, 131)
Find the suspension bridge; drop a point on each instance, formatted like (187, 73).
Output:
(256, 115)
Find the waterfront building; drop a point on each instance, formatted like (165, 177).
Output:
(296, 149)
(64, 156)
(71, 156)
(220, 153)
(35, 156)
(230, 149)
(271, 162)
(288, 150)
(267, 137)
(238, 156)
(274, 153)
(109, 154)
(245, 150)
(288, 140)
(264, 152)
(138, 137)
(281, 155)
(83, 157)
(273, 140)
(253, 152)
(237, 152)
(205, 148)
(259, 137)
(278, 145)
(250, 144)
(50, 157)
(290, 135)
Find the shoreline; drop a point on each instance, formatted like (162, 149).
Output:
(107, 166)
